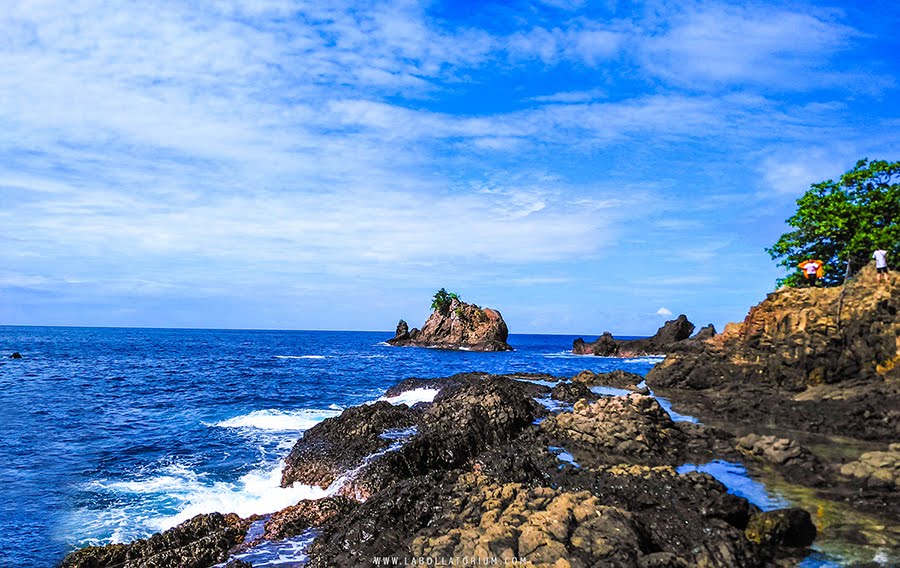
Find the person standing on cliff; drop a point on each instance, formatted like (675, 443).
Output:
(881, 267)
(811, 271)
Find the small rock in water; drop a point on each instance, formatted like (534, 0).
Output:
(16, 355)
(783, 527)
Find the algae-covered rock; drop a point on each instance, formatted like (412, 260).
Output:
(782, 527)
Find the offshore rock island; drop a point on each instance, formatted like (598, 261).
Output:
(455, 324)
(594, 470)
(673, 335)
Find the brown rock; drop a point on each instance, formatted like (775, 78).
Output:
(458, 326)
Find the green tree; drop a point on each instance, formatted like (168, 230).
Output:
(842, 222)
(442, 300)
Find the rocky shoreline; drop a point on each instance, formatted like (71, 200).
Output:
(593, 470)
(510, 467)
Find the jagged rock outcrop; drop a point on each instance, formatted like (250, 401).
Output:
(795, 339)
(457, 325)
(339, 444)
(672, 335)
(196, 543)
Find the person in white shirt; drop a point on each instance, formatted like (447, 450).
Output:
(811, 269)
(881, 267)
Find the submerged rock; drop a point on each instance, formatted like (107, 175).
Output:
(457, 325)
(878, 469)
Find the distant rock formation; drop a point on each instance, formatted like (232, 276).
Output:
(457, 325)
(672, 335)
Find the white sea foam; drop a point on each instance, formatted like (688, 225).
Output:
(257, 492)
(411, 397)
(652, 359)
(280, 420)
(300, 356)
(553, 405)
(283, 553)
(543, 383)
(610, 391)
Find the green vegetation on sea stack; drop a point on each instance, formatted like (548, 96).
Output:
(442, 300)
(842, 222)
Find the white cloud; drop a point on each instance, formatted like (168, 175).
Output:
(664, 312)
(759, 44)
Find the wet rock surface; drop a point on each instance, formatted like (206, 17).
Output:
(295, 519)
(341, 443)
(457, 325)
(197, 543)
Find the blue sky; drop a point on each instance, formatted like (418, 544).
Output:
(579, 166)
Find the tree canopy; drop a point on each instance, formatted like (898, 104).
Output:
(442, 300)
(843, 222)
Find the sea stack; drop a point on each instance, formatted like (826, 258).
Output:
(455, 324)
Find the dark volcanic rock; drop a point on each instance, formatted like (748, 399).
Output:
(338, 444)
(458, 326)
(604, 346)
(295, 519)
(618, 379)
(464, 420)
(402, 332)
(672, 335)
(572, 392)
(783, 527)
(706, 332)
(790, 363)
(633, 427)
(197, 543)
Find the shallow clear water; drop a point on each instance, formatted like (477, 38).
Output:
(112, 434)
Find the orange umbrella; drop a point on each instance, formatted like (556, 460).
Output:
(819, 264)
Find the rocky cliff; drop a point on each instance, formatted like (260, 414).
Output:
(799, 338)
(457, 325)
(671, 336)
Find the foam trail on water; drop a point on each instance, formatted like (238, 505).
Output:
(280, 420)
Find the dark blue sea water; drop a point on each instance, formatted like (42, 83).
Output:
(112, 434)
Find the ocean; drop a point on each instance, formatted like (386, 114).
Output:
(108, 435)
